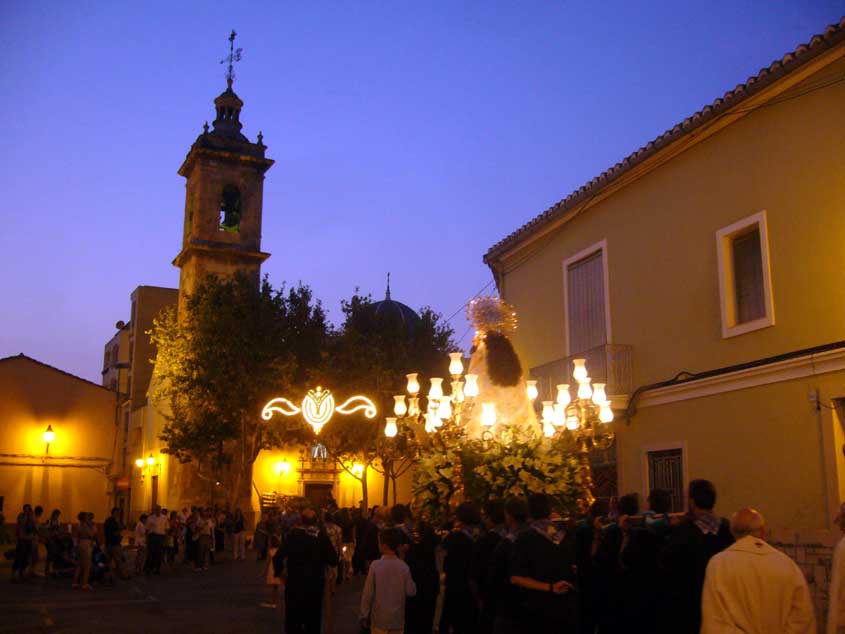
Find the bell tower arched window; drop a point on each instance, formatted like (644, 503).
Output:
(230, 209)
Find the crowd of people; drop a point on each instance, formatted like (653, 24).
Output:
(506, 567)
(516, 567)
(52, 548)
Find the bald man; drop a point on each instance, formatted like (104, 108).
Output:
(753, 588)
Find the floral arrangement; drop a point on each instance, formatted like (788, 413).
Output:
(510, 463)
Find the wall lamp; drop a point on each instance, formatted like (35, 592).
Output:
(49, 436)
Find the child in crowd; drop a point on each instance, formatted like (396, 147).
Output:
(274, 582)
(388, 584)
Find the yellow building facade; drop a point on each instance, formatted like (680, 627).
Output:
(74, 471)
(703, 280)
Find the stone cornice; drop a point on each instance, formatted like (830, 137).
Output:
(787, 370)
(218, 249)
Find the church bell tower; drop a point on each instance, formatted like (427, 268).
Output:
(223, 197)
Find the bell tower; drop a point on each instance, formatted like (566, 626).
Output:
(223, 197)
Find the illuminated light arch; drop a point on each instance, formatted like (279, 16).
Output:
(318, 407)
(356, 403)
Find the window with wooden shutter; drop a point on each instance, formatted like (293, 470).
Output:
(585, 303)
(745, 285)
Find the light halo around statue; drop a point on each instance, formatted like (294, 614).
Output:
(318, 407)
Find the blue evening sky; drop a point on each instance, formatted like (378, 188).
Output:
(408, 136)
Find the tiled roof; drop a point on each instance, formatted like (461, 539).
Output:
(22, 356)
(833, 35)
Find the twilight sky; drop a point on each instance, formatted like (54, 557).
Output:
(408, 136)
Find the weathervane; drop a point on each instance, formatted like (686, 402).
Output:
(234, 56)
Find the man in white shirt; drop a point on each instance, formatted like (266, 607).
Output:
(753, 588)
(156, 526)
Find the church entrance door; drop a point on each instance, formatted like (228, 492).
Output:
(318, 492)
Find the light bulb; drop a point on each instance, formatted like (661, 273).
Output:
(413, 384)
(606, 413)
(49, 434)
(436, 390)
(444, 412)
(151, 461)
(579, 369)
(531, 388)
(599, 396)
(584, 389)
(471, 386)
(456, 366)
(572, 422)
(548, 412)
(548, 430)
(563, 396)
(390, 429)
(458, 391)
(559, 418)
(488, 414)
(139, 462)
(399, 407)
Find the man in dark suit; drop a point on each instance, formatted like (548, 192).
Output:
(301, 561)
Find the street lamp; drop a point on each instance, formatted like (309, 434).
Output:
(146, 465)
(584, 420)
(437, 406)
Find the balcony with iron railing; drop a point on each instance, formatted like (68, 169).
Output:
(611, 364)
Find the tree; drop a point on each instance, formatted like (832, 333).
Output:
(371, 355)
(237, 346)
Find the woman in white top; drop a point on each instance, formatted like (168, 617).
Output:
(140, 544)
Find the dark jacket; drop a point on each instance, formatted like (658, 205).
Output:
(537, 557)
(112, 533)
(682, 564)
(303, 558)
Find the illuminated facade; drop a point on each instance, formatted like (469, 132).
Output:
(702, 279)
(57, 445)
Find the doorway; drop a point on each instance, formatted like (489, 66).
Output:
(319, 493)
(154, 489)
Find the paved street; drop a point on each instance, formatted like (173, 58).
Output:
(227, 598)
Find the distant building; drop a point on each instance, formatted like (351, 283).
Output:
(127, 370)
(702, 279)
(74, 471)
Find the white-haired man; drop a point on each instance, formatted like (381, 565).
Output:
(753, 588)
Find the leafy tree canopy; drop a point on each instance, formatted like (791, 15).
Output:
(237, 346)
(370, 354)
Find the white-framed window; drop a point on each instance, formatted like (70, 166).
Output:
(586, 295)
(665, 467)
(745, 278)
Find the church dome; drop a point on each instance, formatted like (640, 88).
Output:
(389, 310)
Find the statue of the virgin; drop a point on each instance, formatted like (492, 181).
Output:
(500, 375)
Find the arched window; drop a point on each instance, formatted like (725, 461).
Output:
(230, 209)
